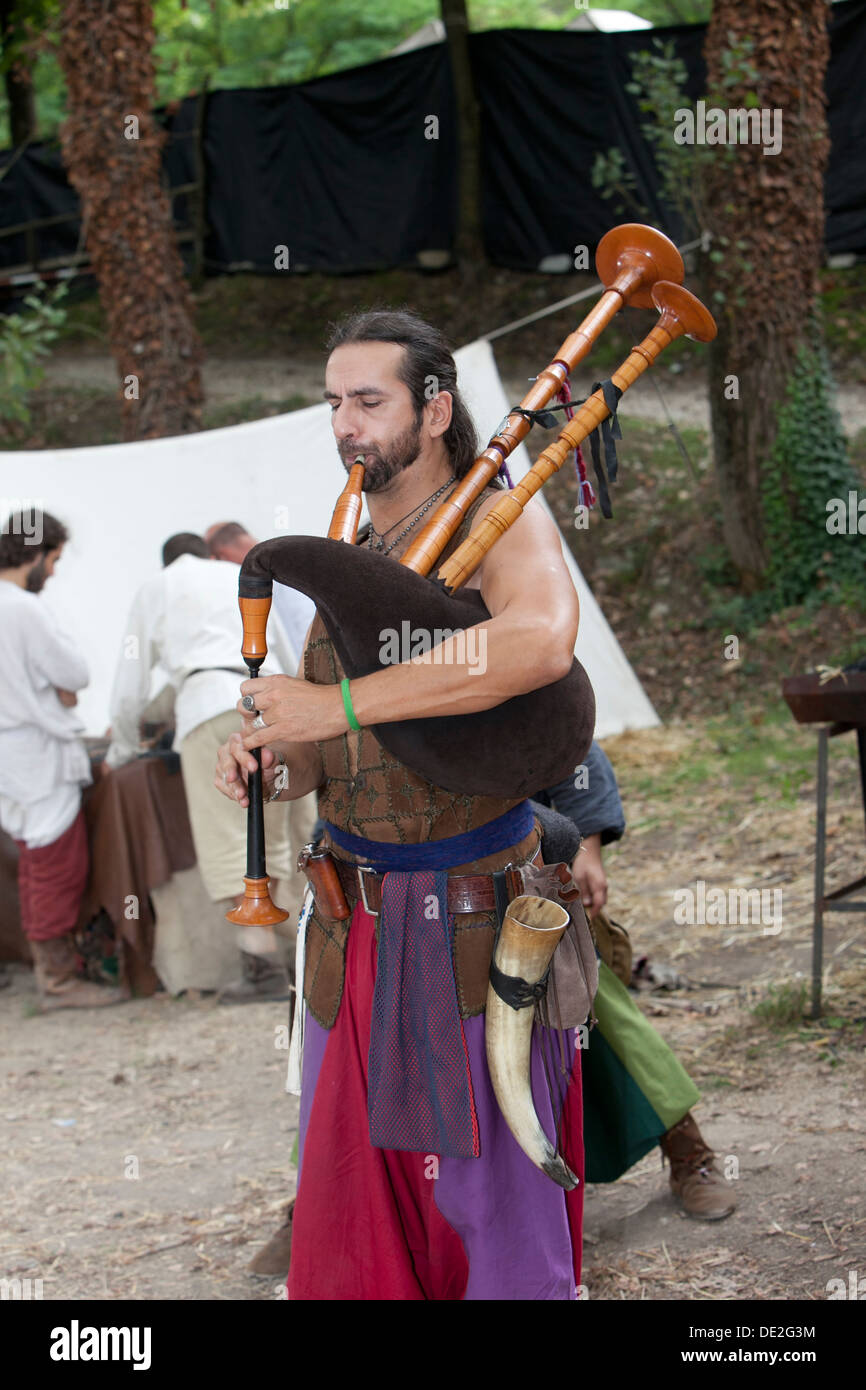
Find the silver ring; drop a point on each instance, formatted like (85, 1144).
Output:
(248, 702)
(259, 723)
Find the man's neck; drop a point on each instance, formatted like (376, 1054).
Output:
(16, 576)
(408, 492)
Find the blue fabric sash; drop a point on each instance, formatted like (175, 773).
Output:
(496, 835)
(419, 1096)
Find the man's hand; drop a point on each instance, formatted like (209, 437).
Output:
(66, 697)
(589, 876)
(293, 710)
(235, 763)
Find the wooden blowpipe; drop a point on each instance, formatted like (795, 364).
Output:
(257, 908)
(680, 313)
(347, 513)
(629, 260)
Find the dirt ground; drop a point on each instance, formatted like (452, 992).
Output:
(148, 1146)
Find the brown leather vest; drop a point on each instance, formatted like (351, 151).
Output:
(368, 792)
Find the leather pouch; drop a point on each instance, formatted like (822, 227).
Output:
(574, 969)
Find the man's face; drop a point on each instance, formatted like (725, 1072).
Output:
(42, 569)
(372, 411)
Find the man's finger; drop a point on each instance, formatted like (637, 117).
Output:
(255, 686)
(257, 739)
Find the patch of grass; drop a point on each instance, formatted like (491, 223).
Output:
(73, 417)
(784, 1006)
(765, 757)
(843, 298)
(67, 418)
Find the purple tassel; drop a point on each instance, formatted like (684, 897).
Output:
(505, 475)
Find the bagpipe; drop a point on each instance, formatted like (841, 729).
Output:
(531, 740)
(526, 743)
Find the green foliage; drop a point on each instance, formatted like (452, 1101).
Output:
(809, 466)
(31, 20)
(843, 300)
(256, 45)
(661, 12)
(611, 175)
(658, 86)
(24, 340)
(252, 43)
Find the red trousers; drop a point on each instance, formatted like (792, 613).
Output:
(51, 883)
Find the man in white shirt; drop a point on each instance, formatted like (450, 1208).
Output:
(186, 621)
(228, 540)
(43, 762)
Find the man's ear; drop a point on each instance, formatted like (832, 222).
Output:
(438, 412)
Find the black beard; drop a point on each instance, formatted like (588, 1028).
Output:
(380, 468)
(36, 577)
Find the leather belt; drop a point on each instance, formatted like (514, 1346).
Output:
(201, 670)
(466, 892)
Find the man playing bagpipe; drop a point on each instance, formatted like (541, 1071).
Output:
(440, 1143)
(411, 1185)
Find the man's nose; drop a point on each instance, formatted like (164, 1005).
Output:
(344, 420)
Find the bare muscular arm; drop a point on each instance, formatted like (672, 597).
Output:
(529, 643)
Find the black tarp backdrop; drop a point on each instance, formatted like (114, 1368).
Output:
(341, 172)
(559, 105)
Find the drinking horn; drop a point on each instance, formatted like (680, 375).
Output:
(530, 933)
(530, 741)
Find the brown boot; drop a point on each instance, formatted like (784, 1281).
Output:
(58, 982)
(699, 1189)
(274, 1257)
(264, 978)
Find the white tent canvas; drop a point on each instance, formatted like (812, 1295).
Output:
(277, 476)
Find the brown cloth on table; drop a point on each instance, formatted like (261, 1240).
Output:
(139, 835)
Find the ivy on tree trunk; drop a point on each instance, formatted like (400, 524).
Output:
(111, 147)
(766, 215)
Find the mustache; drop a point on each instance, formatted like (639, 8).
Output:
(353, 452)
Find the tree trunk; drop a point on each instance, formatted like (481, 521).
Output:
(111, 147)
(19, 88)
(469, 246)
(766, 214)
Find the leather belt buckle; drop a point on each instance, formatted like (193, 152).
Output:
(362, 870)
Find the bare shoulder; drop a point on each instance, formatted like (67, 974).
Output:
(534, 514)
(533, 540)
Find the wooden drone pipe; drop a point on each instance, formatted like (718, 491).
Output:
(681, 313)
(257, 909)
(629, 260)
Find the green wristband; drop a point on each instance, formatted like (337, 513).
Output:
(347, 705)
